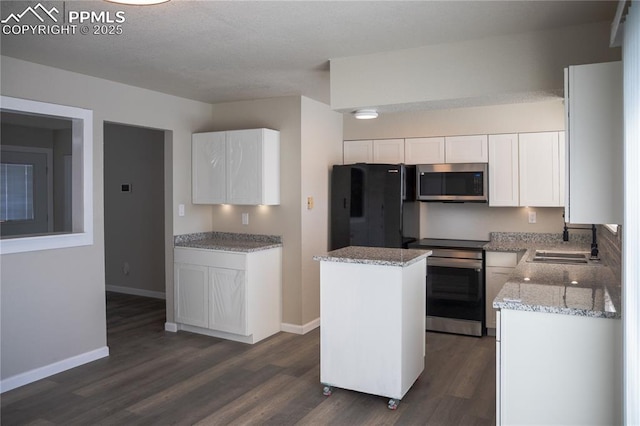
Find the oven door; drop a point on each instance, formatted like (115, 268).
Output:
(455, 289)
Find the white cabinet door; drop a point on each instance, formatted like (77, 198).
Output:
(191, 294)
(388, 151)
(357, 152)
(594, 121)
(424, 150)
(208, 168)
(228, 301)
(466, 149)
(539, 161)
(244, 167)
(503, 170)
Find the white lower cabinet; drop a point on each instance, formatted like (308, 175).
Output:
(191, 294)
(499, 267)
(555, 369)
(231, 295)
(227, 301)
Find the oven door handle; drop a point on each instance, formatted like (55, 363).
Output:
(454, 263)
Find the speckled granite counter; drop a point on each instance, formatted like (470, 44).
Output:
(583, 290)
(228, 241)
(375, 256)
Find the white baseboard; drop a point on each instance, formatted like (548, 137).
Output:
(135, 291)
(300, 329)
(171, 326)
(51, 369)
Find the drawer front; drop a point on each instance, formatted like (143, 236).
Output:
(211, 258)
(503, 259)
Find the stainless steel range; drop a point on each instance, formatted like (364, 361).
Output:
(455, 285)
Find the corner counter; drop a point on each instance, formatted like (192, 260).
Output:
(372, 319)
(582, 290)
(558, 339)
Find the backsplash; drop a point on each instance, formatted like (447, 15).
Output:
(610, 246)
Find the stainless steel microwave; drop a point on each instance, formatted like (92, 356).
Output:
(461, 182)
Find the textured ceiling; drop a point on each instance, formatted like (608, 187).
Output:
(217, 51)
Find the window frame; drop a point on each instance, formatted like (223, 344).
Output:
(82, 177)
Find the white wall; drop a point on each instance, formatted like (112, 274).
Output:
(321, 148)
(507, 69)
(53, 303)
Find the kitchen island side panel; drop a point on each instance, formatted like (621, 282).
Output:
(372, 326)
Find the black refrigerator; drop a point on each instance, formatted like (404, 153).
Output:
(367, 203)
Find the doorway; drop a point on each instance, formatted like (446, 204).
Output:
(134, 210)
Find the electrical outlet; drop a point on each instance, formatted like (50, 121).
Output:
(532, 217)
(245, 218)
(180, 209)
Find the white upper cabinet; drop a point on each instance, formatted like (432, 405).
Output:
(357, 152)
(208, 168)
(466, 149)
(388, 151)
(503, 171)
(236, 167)
(424, 150)
(381, 151)
(541, 167)
(594, 122)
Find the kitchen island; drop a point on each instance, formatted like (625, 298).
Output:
(558, 340)
(372, 319)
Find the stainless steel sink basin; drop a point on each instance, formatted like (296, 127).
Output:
(566, 257)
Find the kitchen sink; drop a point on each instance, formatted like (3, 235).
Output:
(566, 257)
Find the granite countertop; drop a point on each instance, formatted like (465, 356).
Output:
(228, 241)
(375, 256)
(583, 290)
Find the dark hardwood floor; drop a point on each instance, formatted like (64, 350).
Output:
(153, 377)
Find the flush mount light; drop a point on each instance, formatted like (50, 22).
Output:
(138, 2)
(365, 114)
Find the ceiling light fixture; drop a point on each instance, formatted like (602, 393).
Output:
(365, 114)
(138, 2)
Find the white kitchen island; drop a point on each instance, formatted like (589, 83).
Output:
(372, 320)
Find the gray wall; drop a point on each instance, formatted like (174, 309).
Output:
(53, 301)
(134, 221)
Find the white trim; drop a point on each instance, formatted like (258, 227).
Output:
(300, 329)
(219, 334)
(82, 147)
(171, 326)
(136, 291)
(51, 369)
(631, 225)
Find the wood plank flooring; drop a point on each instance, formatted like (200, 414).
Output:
(153, 377)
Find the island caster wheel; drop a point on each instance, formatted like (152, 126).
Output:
(393, 404)
(327, 391)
